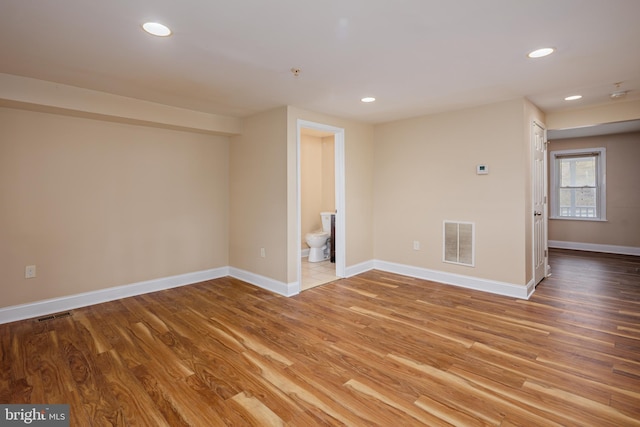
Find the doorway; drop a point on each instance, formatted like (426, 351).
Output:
(325, 271)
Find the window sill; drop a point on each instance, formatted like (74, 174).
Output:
(566, 218)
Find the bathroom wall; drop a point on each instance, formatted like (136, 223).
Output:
(328, 175)
(317, 181)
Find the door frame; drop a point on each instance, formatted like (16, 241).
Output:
(339, 166)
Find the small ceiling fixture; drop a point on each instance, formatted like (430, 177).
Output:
(573, 97)
(539, 53)
(296, 72)
(617, 94)
(368, 99)
(156, 29)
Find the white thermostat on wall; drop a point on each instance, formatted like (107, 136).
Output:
(482, 169)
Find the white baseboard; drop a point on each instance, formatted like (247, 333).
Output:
(55, 305)
(304, 253)
(492, 286)
(469, 282)
(359, 268)
(286, 289)
(594, 247)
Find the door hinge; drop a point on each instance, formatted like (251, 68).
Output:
(545, 253)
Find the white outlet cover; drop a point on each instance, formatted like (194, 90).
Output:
(30, 272)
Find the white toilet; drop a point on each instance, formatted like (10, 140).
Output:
(318, 240)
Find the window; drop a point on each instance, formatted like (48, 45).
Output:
(578, 184)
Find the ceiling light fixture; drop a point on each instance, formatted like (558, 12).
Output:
(156, 29)
(573, 97)
(618, 93)
(539, 53)
(368, 99)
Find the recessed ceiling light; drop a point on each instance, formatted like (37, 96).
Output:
(573, 97)
(156, 29)
(368, 99)
(539, 53)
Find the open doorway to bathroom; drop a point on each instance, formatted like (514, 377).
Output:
(320, 191)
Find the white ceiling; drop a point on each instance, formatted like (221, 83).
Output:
(415, 56)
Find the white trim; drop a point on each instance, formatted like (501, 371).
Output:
(601, 184)
(304, 253)
(54, 305)
(573, 218)
(491, 286)
(341, 204)
(281, 288)
(354, 270)
(595, 247)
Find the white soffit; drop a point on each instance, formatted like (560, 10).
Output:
(595, 130)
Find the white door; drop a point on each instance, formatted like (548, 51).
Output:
(539, 148)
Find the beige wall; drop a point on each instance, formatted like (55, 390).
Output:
(146, 191)
(258, 196)
(97, 204)
(358, 147)
(425, 172)
(622, 227)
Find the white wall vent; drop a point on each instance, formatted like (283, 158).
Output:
(459, 243)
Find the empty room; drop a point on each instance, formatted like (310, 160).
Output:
(349, 213)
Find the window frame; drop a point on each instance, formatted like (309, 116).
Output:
(601, 187)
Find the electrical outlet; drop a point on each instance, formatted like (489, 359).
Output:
(416, 245)
(30, 272)
(263, 253)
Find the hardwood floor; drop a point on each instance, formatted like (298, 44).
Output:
(373, 350)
